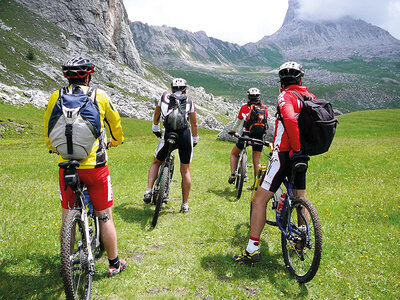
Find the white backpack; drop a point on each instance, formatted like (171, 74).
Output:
(74, 125)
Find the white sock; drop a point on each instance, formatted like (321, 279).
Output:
(253, 245)
(148, 191)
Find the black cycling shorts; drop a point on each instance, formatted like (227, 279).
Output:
(259, 136)
(184, 146)
(279, 167)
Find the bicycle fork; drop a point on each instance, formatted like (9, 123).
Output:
(85, 220)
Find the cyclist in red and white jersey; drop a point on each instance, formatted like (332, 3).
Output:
(257, 132)
(286, 147)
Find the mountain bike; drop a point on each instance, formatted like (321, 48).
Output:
(80, 238)
(241, 166)
(162, 185)
(298, 221)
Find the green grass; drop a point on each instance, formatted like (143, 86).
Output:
(353, 186)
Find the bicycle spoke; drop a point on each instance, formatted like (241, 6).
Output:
(302, 249)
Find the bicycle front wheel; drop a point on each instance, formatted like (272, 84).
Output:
(76, 275)
(303, 255)
(242, 175)
(164, 183)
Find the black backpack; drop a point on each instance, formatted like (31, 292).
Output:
(176, 120)
(317, 125)
(257, 120)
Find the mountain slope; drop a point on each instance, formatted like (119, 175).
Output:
(31, 59)
(101, 24)
(353, 64)
(330, 40)
(169, 46)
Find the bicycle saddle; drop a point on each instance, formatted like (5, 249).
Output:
(172, 137)
(69, 164)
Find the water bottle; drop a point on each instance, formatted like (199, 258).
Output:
(88, 202)
(280, 204)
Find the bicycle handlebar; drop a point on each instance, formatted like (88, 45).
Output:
(252, 140)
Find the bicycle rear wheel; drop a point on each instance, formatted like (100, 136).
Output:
(164, 185)
(242, 175)
(76, 275)
(302, 257)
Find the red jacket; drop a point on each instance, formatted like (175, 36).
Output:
(287, 137)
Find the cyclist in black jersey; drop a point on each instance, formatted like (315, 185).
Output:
(188, 137)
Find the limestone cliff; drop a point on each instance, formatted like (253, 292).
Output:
(102, 24)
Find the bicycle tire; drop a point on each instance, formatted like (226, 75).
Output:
(242, 175)
(302, 260)
(75, 271)
(164, 182)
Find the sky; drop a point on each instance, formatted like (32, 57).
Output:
(245, 21)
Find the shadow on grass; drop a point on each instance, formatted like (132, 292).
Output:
(42, 282)
(228, 193)
(271, 265)
(142, 214)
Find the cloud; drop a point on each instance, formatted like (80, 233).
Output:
(236, 21)
(382, 13)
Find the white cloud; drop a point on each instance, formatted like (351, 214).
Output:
(241, 21)
(236, 21)
(382, 13)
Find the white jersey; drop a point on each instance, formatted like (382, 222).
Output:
(164, 103)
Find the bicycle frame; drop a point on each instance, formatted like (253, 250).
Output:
(169, 160)
(287, 203)
(71, 179)
(238, 163)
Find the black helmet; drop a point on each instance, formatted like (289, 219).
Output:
(253, 94)
(77, 67)
(178, 84)
(290, 71)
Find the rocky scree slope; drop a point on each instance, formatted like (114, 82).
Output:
(133, 89)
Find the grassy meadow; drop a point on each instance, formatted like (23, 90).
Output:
(353, 186)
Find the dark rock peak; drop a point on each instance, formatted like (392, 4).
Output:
(291, 15)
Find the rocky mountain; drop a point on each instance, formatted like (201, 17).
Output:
(170, 46)
(338, 40)
(38, 36)
(101, 24)
(350, 62)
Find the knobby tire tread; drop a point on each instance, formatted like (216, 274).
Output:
(72, 221)
(309, 275)
(161, 194)
(242, 172)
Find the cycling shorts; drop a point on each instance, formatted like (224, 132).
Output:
(259, 136)
(184, 146)
(99, 186)
(279, 167)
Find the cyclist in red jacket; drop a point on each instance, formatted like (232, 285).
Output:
(250, 128)
(286, 147)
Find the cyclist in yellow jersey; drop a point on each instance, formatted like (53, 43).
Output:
(93, 169)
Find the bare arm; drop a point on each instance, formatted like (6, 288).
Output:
(157, 114)
(193, 123)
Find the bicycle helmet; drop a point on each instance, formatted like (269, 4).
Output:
(291, 71)
(77, 67)
(178, 84)
(253, 93)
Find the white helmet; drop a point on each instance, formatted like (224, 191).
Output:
(178, 84)
(291, 70)
(253, 93)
